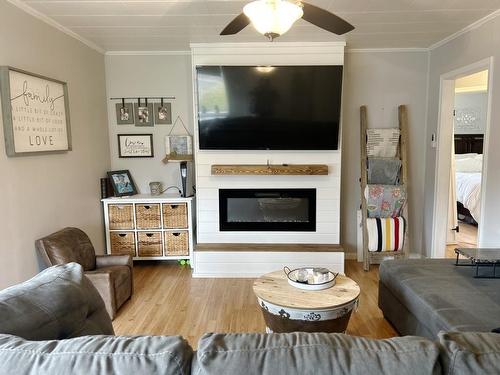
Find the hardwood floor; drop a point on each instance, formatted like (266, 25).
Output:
(466, 237)
(167, 301)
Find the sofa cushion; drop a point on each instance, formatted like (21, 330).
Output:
(59, 302)
(318, 353)
(470, 353)
(441, 296)
(96, 355)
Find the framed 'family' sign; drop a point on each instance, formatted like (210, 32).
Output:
(35, 113)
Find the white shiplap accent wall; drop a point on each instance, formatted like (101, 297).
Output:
(328, 187)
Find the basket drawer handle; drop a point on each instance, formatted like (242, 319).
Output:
(176, 234)
(147, 207)
(122, 234)
(174, 206)
(149, 234)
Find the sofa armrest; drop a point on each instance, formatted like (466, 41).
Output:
(113, 260)
(102, 282)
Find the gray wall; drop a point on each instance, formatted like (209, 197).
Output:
(41, 194)
(476, 45)
(153, 75)
(382, 81)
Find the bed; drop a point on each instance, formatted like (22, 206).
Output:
(468, 168)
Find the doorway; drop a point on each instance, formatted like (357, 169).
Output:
(461, 154)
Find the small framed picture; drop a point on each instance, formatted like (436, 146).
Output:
(178, 147)
(135, 145)
(122, 183)
(124, 113)
(143, 114)
(163, 113)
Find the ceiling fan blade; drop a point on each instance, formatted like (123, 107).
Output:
(236, 25)
(326, 20)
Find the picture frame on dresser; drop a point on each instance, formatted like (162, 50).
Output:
(35, 111)
(122, 182)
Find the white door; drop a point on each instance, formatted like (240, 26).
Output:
(452, 205)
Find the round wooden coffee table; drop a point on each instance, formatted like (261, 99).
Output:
(289, 309)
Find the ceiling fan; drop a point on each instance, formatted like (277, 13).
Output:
(273, 18)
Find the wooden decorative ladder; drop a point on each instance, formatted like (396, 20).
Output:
(370, 257)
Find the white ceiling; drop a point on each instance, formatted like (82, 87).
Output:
(133, 25)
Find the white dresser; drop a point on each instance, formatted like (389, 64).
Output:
(150, 227)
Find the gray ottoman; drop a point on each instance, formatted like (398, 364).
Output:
(423, 297)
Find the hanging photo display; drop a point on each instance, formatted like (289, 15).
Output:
(163, 113)
(35, 113)
(143, 113)
(124, 113)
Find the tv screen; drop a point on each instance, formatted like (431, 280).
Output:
(269, 107)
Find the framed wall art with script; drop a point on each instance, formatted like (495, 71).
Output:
(35, 113)
(135, 145)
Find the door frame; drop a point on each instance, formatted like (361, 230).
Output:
(444, 142)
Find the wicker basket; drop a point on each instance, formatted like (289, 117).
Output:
(122, 243)
(177, 243)
(149, 244)
(121, 216)
(175, 216)
(147, 216)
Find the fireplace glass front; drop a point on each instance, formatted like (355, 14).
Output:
(267, 209)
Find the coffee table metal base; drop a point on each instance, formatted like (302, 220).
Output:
(284, 319)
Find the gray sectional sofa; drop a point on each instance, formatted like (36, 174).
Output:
(56, 323)
(425, 296)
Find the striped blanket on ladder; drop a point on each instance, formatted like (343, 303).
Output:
(385, 234)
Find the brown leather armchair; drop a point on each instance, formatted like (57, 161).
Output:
(110, 274)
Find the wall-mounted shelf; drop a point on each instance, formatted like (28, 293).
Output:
(144, 97)
(270, 169)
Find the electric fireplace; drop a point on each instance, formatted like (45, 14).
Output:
(267, 210)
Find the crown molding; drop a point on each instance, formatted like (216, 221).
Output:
(385, 50)
(466, 29)
(42, 17)
(147, 53)
(273, 44)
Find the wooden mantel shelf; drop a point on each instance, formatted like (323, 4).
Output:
(270, 169)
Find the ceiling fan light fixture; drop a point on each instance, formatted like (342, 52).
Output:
(272, 18)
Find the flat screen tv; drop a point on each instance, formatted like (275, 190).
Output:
(269, 107)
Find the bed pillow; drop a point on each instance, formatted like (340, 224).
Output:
(469, 165)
